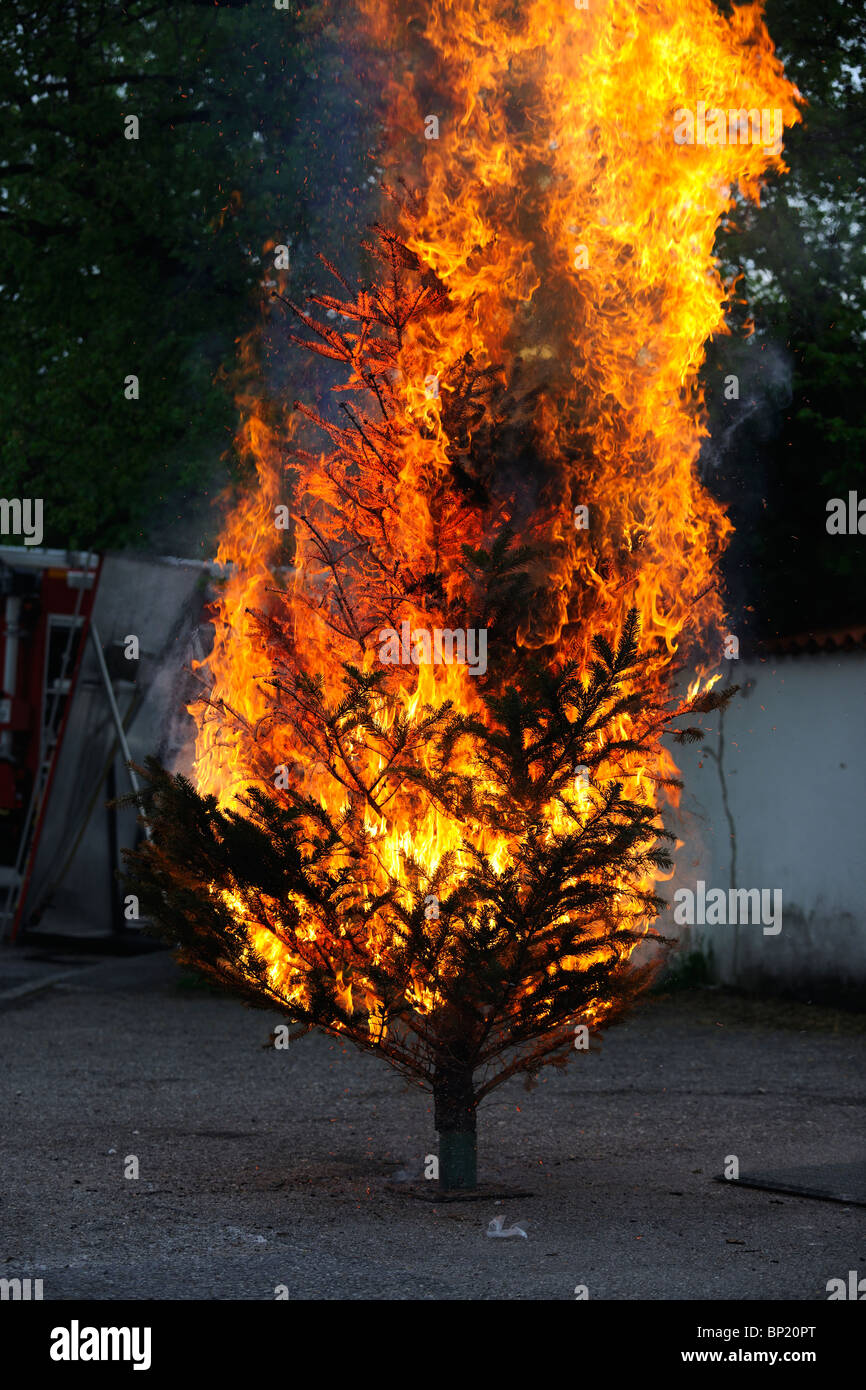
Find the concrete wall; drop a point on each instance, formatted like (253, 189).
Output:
(793, 771)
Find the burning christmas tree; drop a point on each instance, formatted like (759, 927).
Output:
(426, 805)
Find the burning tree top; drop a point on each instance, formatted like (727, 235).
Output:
(574, 233)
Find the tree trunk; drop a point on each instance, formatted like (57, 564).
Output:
(454, 1101)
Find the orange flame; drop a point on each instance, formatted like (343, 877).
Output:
(574, 234)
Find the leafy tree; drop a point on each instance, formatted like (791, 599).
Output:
(797, 436)
(122, 257)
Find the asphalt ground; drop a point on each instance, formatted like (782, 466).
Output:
(262, 1170)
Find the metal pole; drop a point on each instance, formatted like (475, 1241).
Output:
(115, 905)
(115, 714)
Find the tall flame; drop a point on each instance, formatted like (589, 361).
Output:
(574, 235)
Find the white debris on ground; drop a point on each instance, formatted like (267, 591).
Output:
(496, 1229)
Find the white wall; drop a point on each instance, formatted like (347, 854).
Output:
(794, 766)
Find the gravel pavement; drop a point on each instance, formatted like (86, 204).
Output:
(261, 1168)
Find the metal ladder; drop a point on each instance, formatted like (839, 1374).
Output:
(14, 879)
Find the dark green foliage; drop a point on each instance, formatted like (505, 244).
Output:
(797, 436)
(142, 257)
